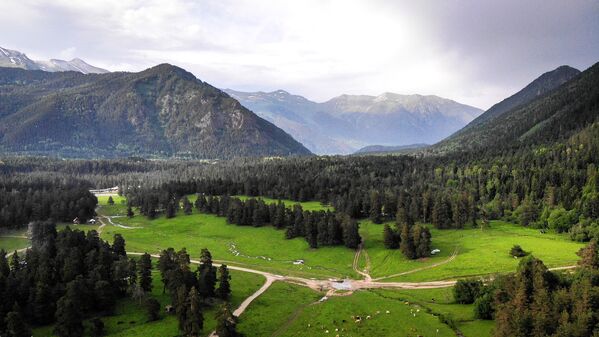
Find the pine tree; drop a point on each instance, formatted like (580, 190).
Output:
(15, 262)
(224, 286)
(4, 267)
(15, 323)
(589, 256)
(152, 309)
(200, 203)
(226, 323)
(171, 209)
(43, 305)
(118, 245)
(97, 329)
(351, 233)
(299, 221)
(206, 274)
(145, 272)
(181, 306)
(110, 200)
(69, 320)
(375, 207)
(407, 242)
(132, 272)
(424, 247)
(441, 216)
(194, 322)
(389, 238)
(130, 213)
(187, 207)
(166, 263)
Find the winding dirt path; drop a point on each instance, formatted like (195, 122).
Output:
(247, 301)
(356, 262)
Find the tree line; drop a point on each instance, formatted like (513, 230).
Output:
(25, 200)
(535, 301)
(319, 228)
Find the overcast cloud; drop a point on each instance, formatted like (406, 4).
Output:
(473, 51)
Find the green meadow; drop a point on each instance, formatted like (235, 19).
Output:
(290, 310)
(478, 252)
(263, 248)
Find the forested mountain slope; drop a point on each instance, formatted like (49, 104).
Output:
(160, 112)
(551, 116)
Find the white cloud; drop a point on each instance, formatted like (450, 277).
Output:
(470, 51)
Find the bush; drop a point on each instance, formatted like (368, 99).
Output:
(97, 329)
(517, 251)
(466, 291)
(152, 309)
(483, 307)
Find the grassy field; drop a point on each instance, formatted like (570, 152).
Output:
(118, 208)
(306, 205)
(441, 302)
(11, 243)
(269, 312)
(129, 318)
(478, 251)
(289, 310)
(262, 247)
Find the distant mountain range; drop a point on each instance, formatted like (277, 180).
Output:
(160, 112)
(347, 123)
(549, 108)
(15, 59)
(381, 149)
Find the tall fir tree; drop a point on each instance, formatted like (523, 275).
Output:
(145, 272)
(194, 322)
(226, 323)
(224, 286)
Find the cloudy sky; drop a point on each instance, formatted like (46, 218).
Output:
(476, 52)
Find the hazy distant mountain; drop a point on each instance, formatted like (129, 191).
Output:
(15, 59)
(376, 149)
(553, 107)
(72, 65)
(349, 122)
(162, 111)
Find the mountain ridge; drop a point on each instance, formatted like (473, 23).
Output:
(16, 59)
(162, 111)
(543, 84)
(566, 105)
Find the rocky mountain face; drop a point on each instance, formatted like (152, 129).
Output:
(15, 59)
(160, 112)
(347, 123)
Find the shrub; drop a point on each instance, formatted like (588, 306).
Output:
(517, 251)
(152, 309)
(467, 290)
